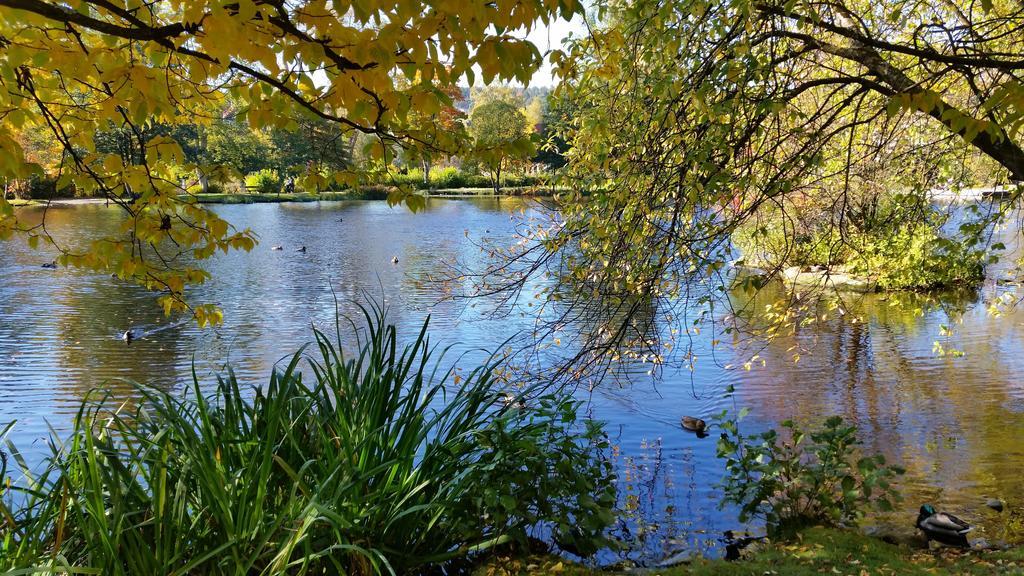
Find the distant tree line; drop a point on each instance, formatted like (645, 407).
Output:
(511, 134)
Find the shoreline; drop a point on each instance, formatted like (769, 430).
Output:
(814, 551)
(364, 194)
(18, 202)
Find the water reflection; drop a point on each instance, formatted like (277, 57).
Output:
(954, 422)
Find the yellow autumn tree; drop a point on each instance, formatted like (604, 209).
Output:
(71, 69)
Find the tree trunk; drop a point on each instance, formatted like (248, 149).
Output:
(1001, 149)
(892, 81)
(352, 148)
(204, 182)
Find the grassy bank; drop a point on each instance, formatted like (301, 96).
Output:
(229, 198)
(817, 551)
(374, 193)
(505, 191)
(25, 202)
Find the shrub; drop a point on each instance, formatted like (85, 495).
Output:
(804, 479)
(378, 463)
(40, 187)
(917, 256)
(894, 250)
(265, 181)
(370, 192)
(215, 188)
(521, 180)
(476, 181)
(212, 187)
(447, 177)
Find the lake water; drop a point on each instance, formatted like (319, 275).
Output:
(955, 423)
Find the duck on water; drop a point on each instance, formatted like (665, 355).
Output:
(696, 425)
(132, 334)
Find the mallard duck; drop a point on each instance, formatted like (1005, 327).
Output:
(943, 527)
(693, 424)
(735, 544)
(277, 247)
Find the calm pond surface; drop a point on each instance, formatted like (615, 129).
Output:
(956, 423)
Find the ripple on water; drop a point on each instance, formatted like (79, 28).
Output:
(954, 423)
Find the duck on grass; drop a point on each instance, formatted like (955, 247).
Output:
(943, 527)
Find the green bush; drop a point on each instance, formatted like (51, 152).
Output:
(412, 177)
(524, 180)
(449, 177)
(212, 187)
(374, 463)
(917, 256)
(475, 181)
(900, 246)
(265, 181)
(371, 192)
(800, 479)
(40, 187)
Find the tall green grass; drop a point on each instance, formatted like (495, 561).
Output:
(378, 462)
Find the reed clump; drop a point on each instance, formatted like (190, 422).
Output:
(379, 462)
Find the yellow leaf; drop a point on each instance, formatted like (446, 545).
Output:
(112, 164)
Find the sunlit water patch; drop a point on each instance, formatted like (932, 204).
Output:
(954, 422)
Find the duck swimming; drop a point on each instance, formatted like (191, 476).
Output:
(128, 336)
(303, 249)
(394, 260)
(693, 424)
(50, 265)
(943, 527)
(277, 247)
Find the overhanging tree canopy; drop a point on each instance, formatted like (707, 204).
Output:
(691, 116)
(73, 68)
